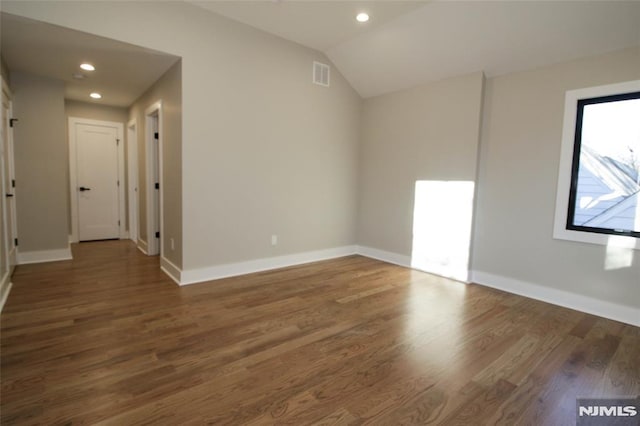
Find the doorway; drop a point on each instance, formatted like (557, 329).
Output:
(96, 151)
(153, 137)
(10, 231)
(132, 178)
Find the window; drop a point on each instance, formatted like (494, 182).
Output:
(599, 178)
(605, 174)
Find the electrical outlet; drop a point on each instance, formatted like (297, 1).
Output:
(274, 240)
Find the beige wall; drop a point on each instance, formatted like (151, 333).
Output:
(41, 163)
(519, 160)
(4, 70)
(93, 111)
(264, 150)
(167, 89)
(425, 133)
(279, 155)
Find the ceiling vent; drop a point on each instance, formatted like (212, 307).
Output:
(321, 74)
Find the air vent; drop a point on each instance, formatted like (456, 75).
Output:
(321, 74)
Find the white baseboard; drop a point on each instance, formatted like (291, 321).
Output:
(614, 311)
(192, 276)
(385, 256)
(170, 269)
(562, 298)
(41, 256)
(403, 260)
(143, 246)
(5, 288)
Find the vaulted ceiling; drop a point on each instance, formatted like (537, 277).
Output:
(409, 43)
(404, 44)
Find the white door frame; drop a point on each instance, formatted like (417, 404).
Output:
(154, 246)
(73, 174)
(132, 174)
(11, 234)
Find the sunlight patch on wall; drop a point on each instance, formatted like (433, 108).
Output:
(619, 253)
(442, 216)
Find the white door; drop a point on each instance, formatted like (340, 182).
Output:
(132, 179)
(9, 181)
(154, 181)
(155, 151)
(97, 182)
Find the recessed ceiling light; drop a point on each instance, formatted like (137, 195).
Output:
(87, 67)
(362, 17)
(96, 95)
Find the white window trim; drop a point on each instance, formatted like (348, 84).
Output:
(564, 172)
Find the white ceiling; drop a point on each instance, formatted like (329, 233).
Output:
(123, 71)
(317, 24)
(403, 45)
(409, 43)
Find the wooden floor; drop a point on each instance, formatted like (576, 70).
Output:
(108, 339)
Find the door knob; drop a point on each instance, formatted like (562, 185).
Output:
(82, 189)
(9, 195)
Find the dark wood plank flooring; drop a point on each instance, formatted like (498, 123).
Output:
(108, 339)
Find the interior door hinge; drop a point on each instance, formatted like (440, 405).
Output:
(118, 182)
(156, 135)
(13, 183)
(157, 185)
(117, 141)
(15, 240)
(118, 223)
(158, 234)
(11, 121)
